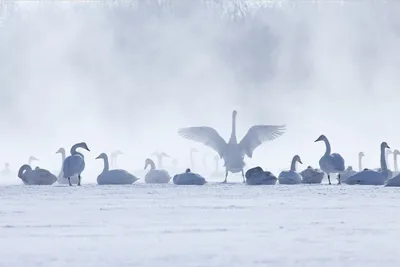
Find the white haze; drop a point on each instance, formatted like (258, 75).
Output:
(127, 77)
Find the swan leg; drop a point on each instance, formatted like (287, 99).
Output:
(69, 181)
(338, 178)
(79, 180)
(244, 180)
(329, 178)
(226, 175)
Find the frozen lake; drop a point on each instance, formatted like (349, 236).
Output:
(213, 225)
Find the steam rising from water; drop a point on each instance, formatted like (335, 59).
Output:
(126, 77)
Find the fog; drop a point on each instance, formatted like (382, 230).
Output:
(127, 75)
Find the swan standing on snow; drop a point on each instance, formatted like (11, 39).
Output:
(113, 157)
(155, 176)
(291, 176)
(311, 176)
(330, 163)
(113, 176)
(160, 157)
(233, 152)
(257, 176)
(371, 177)
(37, 176)
(60, 177)
(189, 178)
(75, 163)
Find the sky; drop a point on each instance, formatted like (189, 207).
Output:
(127, 75)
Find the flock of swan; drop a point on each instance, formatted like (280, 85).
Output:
(232, 153)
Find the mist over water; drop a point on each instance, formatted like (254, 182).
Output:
(127, 76)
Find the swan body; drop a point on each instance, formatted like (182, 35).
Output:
(116, 176)
(347, 173)
(330, 162)
(291, 176)
(60, 177)
(75, 163)
(155, 176)
(189, 178)
(311, 176)
(37, 176)
(233, 152)
(257, 176)
(371, 177)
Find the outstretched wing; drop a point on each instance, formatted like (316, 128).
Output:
(259, 134)
(205, 135)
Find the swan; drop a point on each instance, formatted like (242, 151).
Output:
(60, 177)
(330, 163)
(6, 172)
(291, 176)
(371, 177)
(31, 159)
(311, 176)
(360, 156)
(37, 176)
(189, 178)
(349, 171)
(115, 176)
(233, 152)
(113, 157)
(155, 176)
(75, 163)
(396, 152)
(387, 153)
(257, 176)
(160, 157)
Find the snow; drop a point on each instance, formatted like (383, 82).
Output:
(211, 225)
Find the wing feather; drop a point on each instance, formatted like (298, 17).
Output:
(205, 135)
(259, 134)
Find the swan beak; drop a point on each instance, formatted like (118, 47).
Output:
(300, 161)
(97, 157)
(316, 140)
(388, 146)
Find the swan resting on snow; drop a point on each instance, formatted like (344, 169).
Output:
(291, 176)
(330, 162)
(371, 177)
(189, 178)
(311, 176)
(155, 176)
(233, 152)
(37, 176)
(257, 176)
(75, 163)
(115, 176)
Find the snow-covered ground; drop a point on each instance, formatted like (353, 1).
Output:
(211, 225)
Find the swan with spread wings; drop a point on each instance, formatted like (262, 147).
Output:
(233, 152)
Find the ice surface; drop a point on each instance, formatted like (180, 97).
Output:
(211, 225)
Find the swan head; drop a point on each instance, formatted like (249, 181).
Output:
(188, 170)
(148, 162)
(389, 152)
(102, 156)
(396, 152)
(7, 165)
(61, 150)
(234, 114)
(321, 138)
(117, 152)
(83, 145)
(163, 154)
(361, 154)
(32, 158)
(309, 167)
(193, 149)
(349, 168)
(385, 145)
(298, 159)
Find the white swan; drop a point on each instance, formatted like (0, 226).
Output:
(60, 177)
(6, 172)
(233, 152)
(291, 176)
(189, 178)
(371, 177)
(311, 176)
(396, 152)
(330, 163)
(360, 156)
(257, 176)
(75, 163)
(160, 156)
(116, 176)
(155, 176)
(387, 153)
(395, 180)
(113, 157)
(37, 176)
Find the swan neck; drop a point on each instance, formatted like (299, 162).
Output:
(360, 163)
(293, 164)
(152, 165)
(159, 161)
(233, 138)
(396, 167)
(106, 164)
(24, 168)
(383, 160)
(327, 146)
(216, 164)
